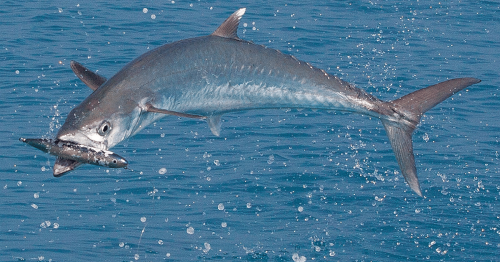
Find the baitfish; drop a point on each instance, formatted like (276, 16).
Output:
(77, 152)
(208, 76)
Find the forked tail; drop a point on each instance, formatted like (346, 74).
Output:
(411, 107)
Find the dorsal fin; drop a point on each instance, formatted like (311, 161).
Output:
(229, 28)
(91, 79)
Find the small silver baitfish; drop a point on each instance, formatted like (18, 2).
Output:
(80, 153)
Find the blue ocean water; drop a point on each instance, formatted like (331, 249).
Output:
(277, 185)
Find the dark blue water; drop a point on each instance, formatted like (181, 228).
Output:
(276, 185)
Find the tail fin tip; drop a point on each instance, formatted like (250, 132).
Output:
(402, 145)
(420, 101)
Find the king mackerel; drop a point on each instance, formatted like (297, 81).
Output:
(206, 77)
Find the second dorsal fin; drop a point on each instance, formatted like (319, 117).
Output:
(229, 28)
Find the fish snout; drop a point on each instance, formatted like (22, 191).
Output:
(79, 138)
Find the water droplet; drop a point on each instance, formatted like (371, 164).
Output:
(207, 247)
(297, 258)
(270, 160)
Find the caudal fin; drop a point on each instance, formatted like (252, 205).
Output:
(412, 107)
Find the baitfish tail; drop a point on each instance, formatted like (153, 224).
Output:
(410, 108)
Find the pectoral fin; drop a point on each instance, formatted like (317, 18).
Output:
(214, 121)
(150, 108)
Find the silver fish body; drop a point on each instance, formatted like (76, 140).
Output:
(206, 77)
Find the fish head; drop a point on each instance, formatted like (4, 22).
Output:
(98, 122)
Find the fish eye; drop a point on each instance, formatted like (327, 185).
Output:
(104, 128)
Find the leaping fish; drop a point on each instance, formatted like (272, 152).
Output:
(206, 77)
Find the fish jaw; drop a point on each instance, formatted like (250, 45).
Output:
(79, 137)
(63, 165)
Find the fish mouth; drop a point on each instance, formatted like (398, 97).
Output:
(79, 139)
(63, 165)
